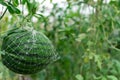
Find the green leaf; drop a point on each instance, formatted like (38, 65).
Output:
(12, 9)
(117, 66)
(3, 3)
(104, 78)
(79, 77)
(1, 75)
(15, 3)
(98, 61)
(81, 37)
(1, 52)
(23, 1)
(112, 77)
(32, 7)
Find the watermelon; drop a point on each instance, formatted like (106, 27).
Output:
(27, 51)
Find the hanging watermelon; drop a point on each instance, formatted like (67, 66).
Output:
(27, 51)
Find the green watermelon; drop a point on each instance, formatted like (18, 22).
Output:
(27, 51)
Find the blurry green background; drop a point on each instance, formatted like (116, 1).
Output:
(80, 33)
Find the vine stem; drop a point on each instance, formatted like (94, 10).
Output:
(3, 14)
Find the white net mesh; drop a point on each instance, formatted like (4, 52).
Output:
(27, 51)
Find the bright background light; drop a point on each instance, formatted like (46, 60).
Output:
(61, 3)
(46, 3)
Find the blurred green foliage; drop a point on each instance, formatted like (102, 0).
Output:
(81, 40)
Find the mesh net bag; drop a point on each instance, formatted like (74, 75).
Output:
(27, 51)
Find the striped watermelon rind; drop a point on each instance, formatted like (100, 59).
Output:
(27, 51)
